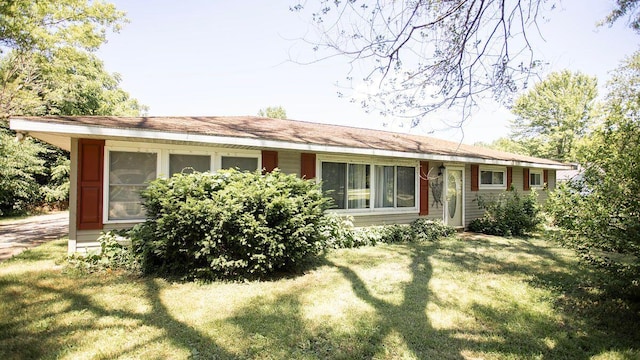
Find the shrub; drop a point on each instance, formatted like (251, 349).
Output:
(509, 214)
(230, 224)
(420, 230)
(116, 253)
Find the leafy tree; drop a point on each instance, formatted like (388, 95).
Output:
(47, 67)
(429, 54)
(274, 112)
(505, 144)
(44, 25)
(556, 112)
(600, 214)
(19, 165)
(66, 82)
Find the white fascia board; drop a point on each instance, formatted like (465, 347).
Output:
(71, 130)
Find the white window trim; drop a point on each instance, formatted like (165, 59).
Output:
(254, 154)
(162, 152)
(372, 210)
(502, 169)
(536, 171)
(166, 158)
(106, 183)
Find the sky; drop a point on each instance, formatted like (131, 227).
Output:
(220, 57)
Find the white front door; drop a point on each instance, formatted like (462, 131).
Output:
(454, 201)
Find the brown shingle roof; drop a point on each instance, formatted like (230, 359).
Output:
(300, 132)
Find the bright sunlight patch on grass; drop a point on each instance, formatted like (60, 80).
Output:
(477, 298)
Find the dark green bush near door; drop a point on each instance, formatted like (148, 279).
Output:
(230, 224)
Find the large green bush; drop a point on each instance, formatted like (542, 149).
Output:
(508, 214)
(230, 224)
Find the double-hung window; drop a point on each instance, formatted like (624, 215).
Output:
(369, 186)
(492, 178)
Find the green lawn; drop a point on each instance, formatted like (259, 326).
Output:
(478, 298)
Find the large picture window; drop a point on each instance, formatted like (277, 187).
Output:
(356, 186)
(129, 172)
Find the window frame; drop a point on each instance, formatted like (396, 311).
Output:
(107, 183)
(163, 152)
(372, 209)
(167, 158)
(240, 154)
(538, 172)
(493, 169)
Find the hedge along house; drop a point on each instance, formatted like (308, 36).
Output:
(375, 176)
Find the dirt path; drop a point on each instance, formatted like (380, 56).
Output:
(19, 235)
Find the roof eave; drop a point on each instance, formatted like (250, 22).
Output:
(58, 131)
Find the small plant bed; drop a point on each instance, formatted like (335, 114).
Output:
(488, 297)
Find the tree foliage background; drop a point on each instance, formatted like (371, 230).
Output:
(553, 115)
(599, 213)
(274, 112)
(48, 67)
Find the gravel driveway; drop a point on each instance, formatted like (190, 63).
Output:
(19, 235)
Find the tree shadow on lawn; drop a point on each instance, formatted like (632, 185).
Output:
(27, 332)
(494, 330)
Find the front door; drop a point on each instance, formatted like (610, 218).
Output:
(454, 207)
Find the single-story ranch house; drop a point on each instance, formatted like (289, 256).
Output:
(375, 176)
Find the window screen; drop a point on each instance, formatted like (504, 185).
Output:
(240, 163)
(181, 163)
(129, 172)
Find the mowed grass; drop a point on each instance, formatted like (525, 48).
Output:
(476, 298)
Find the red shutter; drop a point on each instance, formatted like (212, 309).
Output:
(269, 160)
(474, 177)
(424, 188)
(308, 166)
(545, 176)
(509, 177)
(525, 179)
(90, 184)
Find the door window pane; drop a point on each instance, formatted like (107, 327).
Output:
(334, 176)
(406, 186)
(129, 173)
(180, 163)
(359, 188)
(240, 163)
